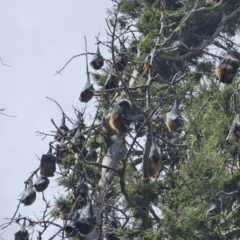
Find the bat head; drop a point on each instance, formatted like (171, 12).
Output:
(81, 190)
(71, 230)
(105, 119)
(125, 107)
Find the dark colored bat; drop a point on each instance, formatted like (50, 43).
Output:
(87, 91)
(234, 132)
(23, 233)
(41, 184)
(157, 3)
(86, 221)
(155, 160)
(92, 156)
(97, 61)
(214, 208)
(111, 228)
(63, 128)
(62, 150)
(174, 121)
(29, 195)
(227, 69)
(48, 164)
(138, 124)
(78, 141)
(111, 82)
(81, 190)
(157, 122)
(121, 117)
(121, 57)
(71, 228)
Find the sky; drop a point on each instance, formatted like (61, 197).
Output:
(37, 39)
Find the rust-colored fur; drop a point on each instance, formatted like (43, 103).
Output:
(117, 123)
(108, 130)
(146, 67)
(237, 136)
(154, 167)
(158, 128)
(173, 125)
(73, 234)
(225, 73)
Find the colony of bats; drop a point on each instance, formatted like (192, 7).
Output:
(118, 120)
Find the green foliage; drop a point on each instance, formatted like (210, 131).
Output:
(100, 141)
(63, 206)
(202, 166)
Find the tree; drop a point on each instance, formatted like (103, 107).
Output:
(162, 177)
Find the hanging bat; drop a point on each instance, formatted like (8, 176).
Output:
(138, 124)
(155, 160)
(234, 132)
(157, 3)
(81, 193)
(214, 209)
(121, 57)
(157, 122)
(87, 91)
(86, 221)
(108, 130)
(48, 164)
(121, 117)
(227, 69)
(62, 150)
(63, 128)
(111, 82)
(71, 228)
(81, 190)
(125, 78)
(147, 65)
(97, 61)
(23, 233)
(39, 236)
(92, 156)
(41, 184)
(174, 121)
(79, 123)
(78, 141)
(111, 227)
(29, 195)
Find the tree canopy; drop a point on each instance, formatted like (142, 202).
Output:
(160, 157)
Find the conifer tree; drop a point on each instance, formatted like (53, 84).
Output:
(160, 159)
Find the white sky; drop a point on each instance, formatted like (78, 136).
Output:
(37, 39)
